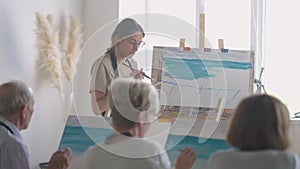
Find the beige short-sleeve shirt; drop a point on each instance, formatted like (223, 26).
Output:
(102, 72)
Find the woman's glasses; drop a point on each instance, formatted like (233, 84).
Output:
(140, 44)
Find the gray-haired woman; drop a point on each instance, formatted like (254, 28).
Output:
(133, 105)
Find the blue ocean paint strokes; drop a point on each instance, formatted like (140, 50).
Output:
(203, 150)
(79, 139)
(191, 69)
(237, 65)
(188, 69)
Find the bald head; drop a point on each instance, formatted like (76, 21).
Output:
(14, 95)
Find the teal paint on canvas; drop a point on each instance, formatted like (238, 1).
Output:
(80, 138)
(192, 69)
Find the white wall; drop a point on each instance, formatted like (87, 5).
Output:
(281, 76)
(100, 17)
(18, 56)
(17, 61)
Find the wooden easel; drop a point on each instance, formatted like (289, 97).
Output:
(173, 111)
(202, 37)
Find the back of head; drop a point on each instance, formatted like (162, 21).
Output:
(129, 99)
(125, 29)
(260, 122)
(14, 95)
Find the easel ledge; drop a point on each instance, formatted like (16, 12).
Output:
(202, 115)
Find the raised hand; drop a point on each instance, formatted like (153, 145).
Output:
(186, 159)
(60, 159)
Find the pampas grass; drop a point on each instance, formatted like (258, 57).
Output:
(73, 52)
(52, 57)
(49, 48)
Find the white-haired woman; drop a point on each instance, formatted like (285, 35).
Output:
(133, 105)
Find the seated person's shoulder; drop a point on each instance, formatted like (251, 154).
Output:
(13, 145)
(223, 154)
(267, 158)
(149, 146)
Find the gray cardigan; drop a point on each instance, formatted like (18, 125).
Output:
(266, 159)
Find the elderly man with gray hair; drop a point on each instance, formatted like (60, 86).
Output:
(16, 108)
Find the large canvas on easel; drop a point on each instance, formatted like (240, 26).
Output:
(197, 78)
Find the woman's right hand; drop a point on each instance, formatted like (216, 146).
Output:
(137, 74)
(60, 159)
(186, 159)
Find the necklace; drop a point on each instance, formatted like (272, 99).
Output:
(117, 137)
